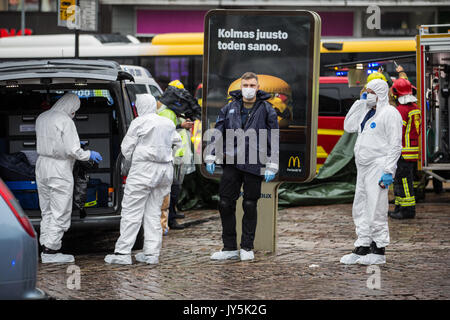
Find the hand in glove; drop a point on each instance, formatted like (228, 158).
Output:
(95, 156)
(385, 180)
(269, 175)
(210, 167)
(364, 96)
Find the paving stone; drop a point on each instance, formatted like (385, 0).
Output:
(418, 261)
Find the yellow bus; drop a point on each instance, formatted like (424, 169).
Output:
(179, 55)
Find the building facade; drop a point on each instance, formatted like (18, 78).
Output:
(145, 18)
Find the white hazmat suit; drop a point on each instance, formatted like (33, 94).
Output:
(377, 149)
(148, 144)
(58, 146)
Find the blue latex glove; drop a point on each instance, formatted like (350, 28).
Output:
(269, 175)
(210, 167)
(364, 96)
(95, 156)
(386, 179)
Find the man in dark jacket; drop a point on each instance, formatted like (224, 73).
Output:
(246, 116)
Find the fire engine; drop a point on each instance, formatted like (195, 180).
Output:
(433, 77)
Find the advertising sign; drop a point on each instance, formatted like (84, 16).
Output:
(282, 48)
(81, 15)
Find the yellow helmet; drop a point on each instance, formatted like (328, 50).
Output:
(176, 84)
(376, 75)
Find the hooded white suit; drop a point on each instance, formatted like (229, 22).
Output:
(58, 146)
(377, 149)
(148, 144)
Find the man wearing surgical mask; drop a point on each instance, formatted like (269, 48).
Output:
(248, 111)
(377, 149)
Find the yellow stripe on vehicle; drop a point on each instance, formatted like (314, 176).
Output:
(321, 153)
(330, 132)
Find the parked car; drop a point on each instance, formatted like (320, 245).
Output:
(18, 251)
(31, 87)
(143, 82)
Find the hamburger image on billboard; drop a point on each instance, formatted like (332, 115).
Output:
(280, 92)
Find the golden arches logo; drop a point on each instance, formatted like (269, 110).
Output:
(294, 160)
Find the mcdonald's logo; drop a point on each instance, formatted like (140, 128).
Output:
(294, 160)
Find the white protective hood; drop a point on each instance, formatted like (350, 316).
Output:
(381, 89)
(68, 103)
(145, 104)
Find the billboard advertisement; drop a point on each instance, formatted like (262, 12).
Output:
(282, 48)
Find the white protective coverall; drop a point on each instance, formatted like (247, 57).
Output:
(377, 150)
(58, 146)
(148, 144)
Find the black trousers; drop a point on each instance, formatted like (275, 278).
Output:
(174, 194)
(404, 184)
(229, 192)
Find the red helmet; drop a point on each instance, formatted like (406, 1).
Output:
(402, 87)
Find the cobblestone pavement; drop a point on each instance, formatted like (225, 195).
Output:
(311, 241)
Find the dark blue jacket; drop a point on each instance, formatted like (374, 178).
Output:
(262, 116)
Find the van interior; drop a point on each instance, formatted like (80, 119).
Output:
(97, 123)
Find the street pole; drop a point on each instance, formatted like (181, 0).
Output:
(23, 18)
(77, 31)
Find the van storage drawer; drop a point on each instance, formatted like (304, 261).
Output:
(93, 123)
(21, 125)
(27, 146)
(101, 145)
(26, 193)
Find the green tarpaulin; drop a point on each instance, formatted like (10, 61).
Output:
(335, 183)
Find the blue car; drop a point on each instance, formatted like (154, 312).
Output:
(18, 251)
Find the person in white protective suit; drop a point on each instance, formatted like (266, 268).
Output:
(377, 149)
(58, 146)
(148, 144)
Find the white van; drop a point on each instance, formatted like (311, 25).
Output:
(143, 82)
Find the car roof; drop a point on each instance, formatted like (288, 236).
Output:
(61, 68)
(136, 71)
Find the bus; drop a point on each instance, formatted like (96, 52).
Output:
(180, 55)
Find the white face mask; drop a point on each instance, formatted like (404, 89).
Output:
(248, 93)
(371, 99)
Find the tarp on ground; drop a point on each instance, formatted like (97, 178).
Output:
(334, 184)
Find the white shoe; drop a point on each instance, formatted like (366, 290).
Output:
(372, 258)
(118, 259)
(141, 257)
(246, 255)
(57, 258)
(351, 258)
(225, 255)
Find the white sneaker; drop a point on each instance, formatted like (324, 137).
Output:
(351, 258)
(118, 259)
(372, 258)
(57, 258)
(225, 255)
(246, 255)
(141, 257)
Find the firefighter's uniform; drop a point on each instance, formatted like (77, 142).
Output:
(405, 202)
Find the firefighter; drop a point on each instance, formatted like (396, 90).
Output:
(405, 202)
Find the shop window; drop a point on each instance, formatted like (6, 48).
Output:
(30, 5)
(400, 24)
